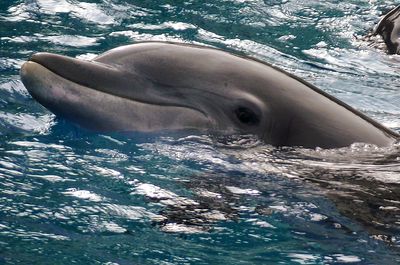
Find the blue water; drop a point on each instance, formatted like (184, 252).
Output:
(71, 196)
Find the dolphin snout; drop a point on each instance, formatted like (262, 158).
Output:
(29, 73)
(91, 74)
(87, 73)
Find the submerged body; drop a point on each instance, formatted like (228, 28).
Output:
(159, 86)
(389, 29)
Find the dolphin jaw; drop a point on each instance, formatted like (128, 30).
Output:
(98, 110)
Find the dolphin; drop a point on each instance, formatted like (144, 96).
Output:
(164, 86)
(389, 29)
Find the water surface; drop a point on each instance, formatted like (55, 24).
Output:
(68, 195)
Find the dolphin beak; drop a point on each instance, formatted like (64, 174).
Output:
(29, 75)
(85, 73)
(90, 74)
(78, 90)
(103, 97)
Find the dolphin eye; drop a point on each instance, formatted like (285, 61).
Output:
(247, 116)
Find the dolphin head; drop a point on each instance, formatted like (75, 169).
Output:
(150, 87)
(105, 97)
(134, 88)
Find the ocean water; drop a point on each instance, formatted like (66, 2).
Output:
(71, 196)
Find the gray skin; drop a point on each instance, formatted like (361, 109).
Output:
(159, 86)
(389, 29)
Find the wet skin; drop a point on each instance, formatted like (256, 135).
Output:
(389, 29)
(160, 86)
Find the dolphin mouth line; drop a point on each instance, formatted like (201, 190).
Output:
(37, 59)
(38, 78)
(108, 92)
(81, 83)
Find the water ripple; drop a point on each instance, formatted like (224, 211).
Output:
(72, 196)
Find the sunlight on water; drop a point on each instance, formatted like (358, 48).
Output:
(72, 196)
(85, 11)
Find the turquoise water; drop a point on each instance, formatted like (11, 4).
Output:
(71, 196)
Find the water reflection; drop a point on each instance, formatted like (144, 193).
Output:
(363, 182)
